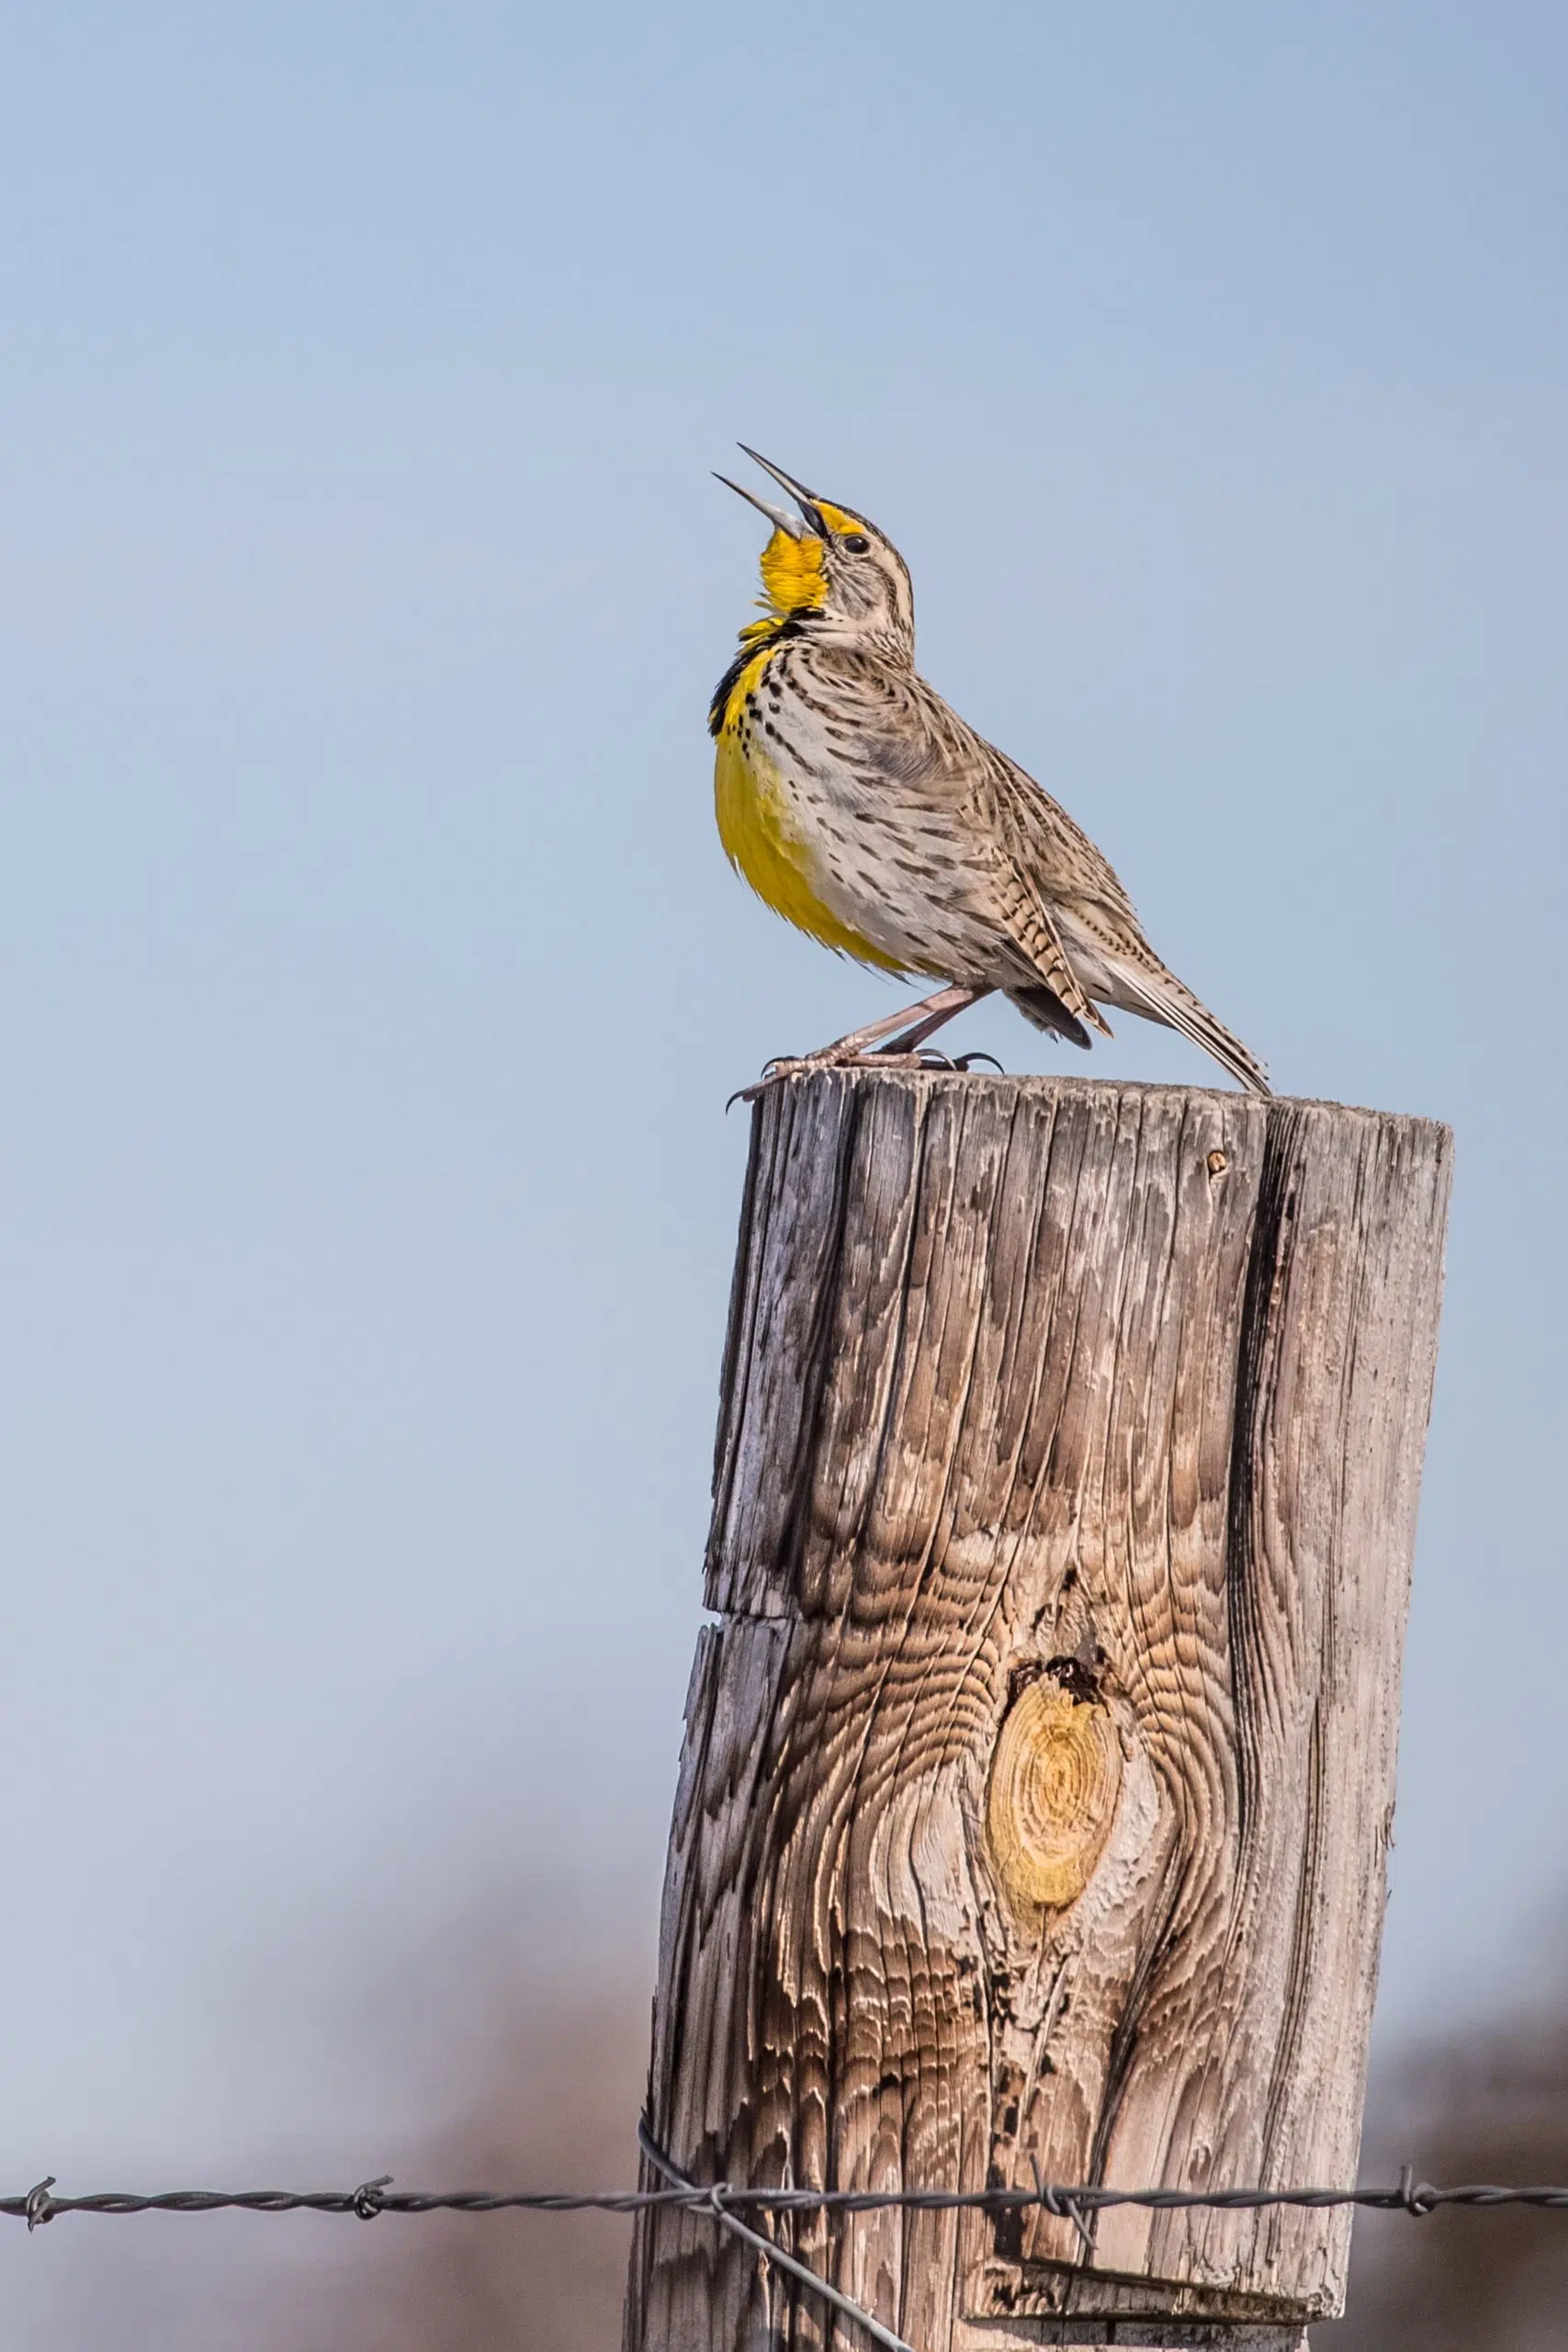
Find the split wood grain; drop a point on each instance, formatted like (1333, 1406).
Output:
(1121, 1390)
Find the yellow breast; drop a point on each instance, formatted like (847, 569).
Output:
(750, 799)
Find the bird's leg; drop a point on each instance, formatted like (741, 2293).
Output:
(928, 1014)
(865, 1048)
(936, 1012)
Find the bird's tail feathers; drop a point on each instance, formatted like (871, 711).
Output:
(1165, 999)
(1044, 1008)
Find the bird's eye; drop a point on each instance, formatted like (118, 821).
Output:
(856, 543)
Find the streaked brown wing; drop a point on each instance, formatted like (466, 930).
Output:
(1036, 843)
(1056, 852)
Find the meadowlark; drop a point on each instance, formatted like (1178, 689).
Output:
(861, 808)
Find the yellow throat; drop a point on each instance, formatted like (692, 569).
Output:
(750, 792)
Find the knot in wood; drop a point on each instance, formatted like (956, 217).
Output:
(1055, 1778)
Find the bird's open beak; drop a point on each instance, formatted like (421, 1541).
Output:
(774, 514)
(803, 498)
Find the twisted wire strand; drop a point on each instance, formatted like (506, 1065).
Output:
(372, 2198)
(718, 2201)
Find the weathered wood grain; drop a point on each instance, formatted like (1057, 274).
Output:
(1067, 1470)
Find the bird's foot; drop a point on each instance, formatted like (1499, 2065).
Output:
(787, 1066)
(888, 1057)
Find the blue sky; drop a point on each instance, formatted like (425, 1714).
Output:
(373, 980)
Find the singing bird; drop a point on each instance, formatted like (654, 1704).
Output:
(864, 811)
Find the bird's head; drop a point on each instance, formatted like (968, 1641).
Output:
(831, 568)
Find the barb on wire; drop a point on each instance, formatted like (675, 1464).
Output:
(1062, 2204)
(716, 2201)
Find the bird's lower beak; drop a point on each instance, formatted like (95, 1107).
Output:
(805, 499)
(775, 515)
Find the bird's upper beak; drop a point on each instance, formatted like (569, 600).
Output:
(803, 499)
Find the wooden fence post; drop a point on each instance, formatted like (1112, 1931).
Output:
(1038, 1773)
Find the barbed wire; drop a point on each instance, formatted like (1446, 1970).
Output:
(716, 2202)
(724, 2202)
(372, 2198)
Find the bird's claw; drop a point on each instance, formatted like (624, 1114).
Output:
(784, 1066)
(778, 1066)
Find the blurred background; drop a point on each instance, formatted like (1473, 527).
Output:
(373, 985)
